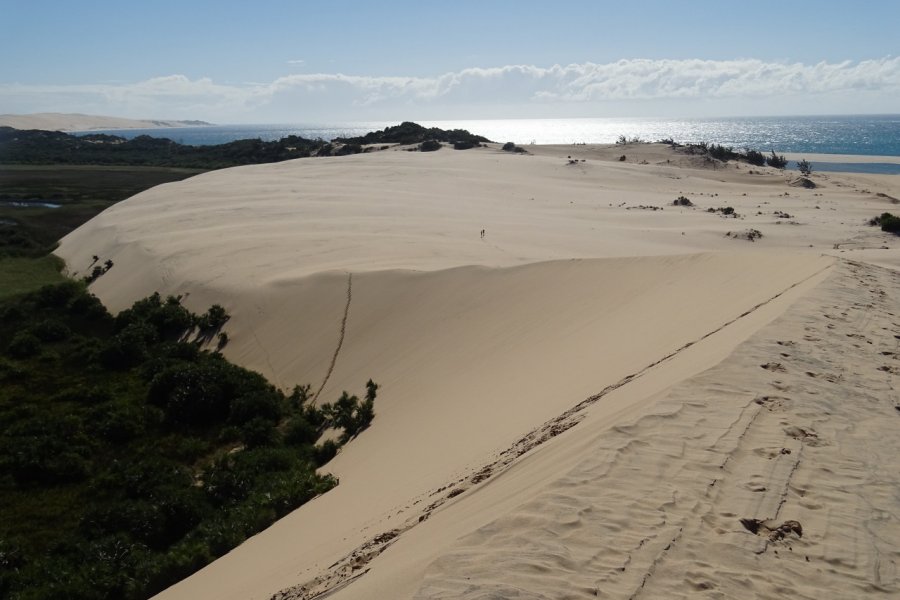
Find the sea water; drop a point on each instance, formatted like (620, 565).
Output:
(873, 135)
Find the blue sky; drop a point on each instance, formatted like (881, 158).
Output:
(278, 61)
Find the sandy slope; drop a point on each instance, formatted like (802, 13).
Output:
(79, 122)
(557, 372)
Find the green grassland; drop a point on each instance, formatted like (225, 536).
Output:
(19, 274)
(81, 192)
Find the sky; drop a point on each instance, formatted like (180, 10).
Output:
(271, 61)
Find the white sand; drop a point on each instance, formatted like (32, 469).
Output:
(587, 373)
(79, 122)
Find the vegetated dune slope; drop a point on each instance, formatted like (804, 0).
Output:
(337, 270)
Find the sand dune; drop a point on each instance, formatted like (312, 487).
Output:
(569, 405)
(79, 122)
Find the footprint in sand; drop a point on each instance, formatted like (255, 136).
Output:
(826, 376)
(772, 403)
(806, 436)
(774, 366)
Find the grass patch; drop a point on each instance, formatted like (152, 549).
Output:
(19, 275)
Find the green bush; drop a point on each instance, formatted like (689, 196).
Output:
(190, 395)
(51, 330)
(24, 345)
(130, 458)
(889, 223)
(779, 162)
(755, 157)
(300, 432)
(429, 146)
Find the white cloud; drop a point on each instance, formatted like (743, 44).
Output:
(296, 61)
(528, 90)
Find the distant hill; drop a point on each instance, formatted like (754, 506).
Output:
(40, 147)
(413, 133)
(37, 147)
(79, 122)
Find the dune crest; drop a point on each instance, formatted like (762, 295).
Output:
(80, 122)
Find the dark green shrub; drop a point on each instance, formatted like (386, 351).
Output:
(346, 149)
(722, 153)
(804, 167)
(429, 146)
(12, 313)
(51, 330)
(23, 345)
(117, 425)
(300, 432)
(170, 319)
(779, 162)
(325, 452)
(890, 223)
(129, 347)
(509, 147)
(262, 404)
(755, 157)
(259, 432)
(412, 133)
(190, 395)
(214, 318)
(57, 295)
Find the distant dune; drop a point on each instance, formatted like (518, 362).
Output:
(79, 122)
(604, 395)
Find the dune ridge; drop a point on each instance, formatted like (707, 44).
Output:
(80, 122)
(512, 367)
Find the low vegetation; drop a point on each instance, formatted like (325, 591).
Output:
(413, 133)
(511, 147)
(725, 211)
(429, 146)
(888, 222)
(40, 204)
(53, 147)
(130, 456)
(727, 153)
(751, 235)
(777, 161)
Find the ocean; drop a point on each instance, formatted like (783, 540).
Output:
(872, 135)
